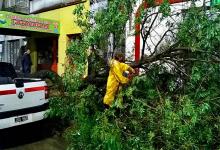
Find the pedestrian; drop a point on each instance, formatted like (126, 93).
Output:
(118, 76)
(26, 63)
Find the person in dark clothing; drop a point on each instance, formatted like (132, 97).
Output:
(26, 63)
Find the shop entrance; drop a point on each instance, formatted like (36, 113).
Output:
(47, 53)
(41, 36)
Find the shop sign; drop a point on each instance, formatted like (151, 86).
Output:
(28, 22)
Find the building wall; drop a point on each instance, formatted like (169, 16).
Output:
(67, 26)
(31, 45)
(159, 30)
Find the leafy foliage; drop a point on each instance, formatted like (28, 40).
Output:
(160, 109)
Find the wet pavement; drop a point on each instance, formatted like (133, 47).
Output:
(42, 135)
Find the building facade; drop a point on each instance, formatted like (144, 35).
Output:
(47, 26)
(134, 40)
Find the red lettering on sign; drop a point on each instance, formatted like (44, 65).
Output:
(19, 22)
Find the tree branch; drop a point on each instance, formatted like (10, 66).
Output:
(146, 36)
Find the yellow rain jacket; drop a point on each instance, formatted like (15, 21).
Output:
(115, 79)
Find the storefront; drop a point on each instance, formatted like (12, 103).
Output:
(68, 29)
(41, 35)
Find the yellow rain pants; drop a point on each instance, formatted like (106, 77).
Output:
(115, 79)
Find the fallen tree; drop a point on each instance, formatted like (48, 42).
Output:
(174, 103)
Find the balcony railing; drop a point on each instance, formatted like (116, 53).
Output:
(18, 6)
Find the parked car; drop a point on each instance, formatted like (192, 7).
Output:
(22, 100)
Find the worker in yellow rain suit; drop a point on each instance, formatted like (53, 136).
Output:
(117, 77)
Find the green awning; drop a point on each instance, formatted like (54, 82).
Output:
(11, 20)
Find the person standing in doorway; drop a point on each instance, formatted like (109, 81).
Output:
(26, 63)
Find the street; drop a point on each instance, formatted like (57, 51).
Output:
(43, 135)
